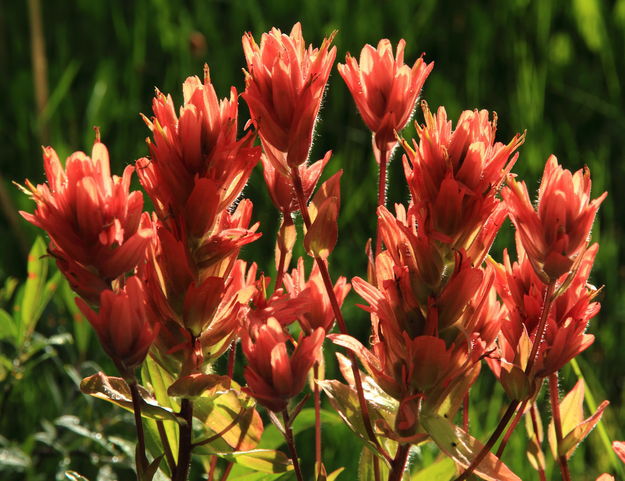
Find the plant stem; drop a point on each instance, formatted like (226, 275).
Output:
(317, 399)
(286, 221)
(542, 324)
(399, 463)
(185, 446)
(511, 429)
(557, 422)
(327, 282)
(376, 468)
(534, 416)
(288, 434)
(491, 441)
(169, 455)
(382, 159)
(142, 460)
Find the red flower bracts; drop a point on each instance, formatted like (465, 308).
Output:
(318, 310)
(556, 233)
(284, 86)
(124, 324)
(384, 88)
(197, 166)
(523, 292)
(454, 176)
(95, 224)
(273, 376)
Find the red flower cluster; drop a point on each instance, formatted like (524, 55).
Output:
(384, 88)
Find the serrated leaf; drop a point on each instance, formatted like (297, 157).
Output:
(442, 470)
(463, 448)
(116, 391)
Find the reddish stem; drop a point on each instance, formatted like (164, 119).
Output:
(288, 435)
(382, 159)
(142, 460)
(534, 416)
(327, 282)
(184, 446)
(511, 429)
(542, 324)
(491, 441)
(317, 398)
(399, 463)
(557, 422)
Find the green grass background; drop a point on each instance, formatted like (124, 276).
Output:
(553, 67)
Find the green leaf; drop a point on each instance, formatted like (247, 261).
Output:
(366, 467)
(82, 329)
(34, 287)
(442, 470)
(116, 391)
(8, 329)
(261, 460)
(158, 379)
(231, 413)
(463, 448)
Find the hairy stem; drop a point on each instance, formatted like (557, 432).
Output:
(557, 422)
(288, 435)
(491, 441)
(382, 159)
(327, 282)
(542, 324)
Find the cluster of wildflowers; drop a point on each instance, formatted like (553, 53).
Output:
(168, 290)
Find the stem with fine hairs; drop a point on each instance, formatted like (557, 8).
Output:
(542, 324)
(317, 399)
(327, 282)
(382, 158)
(142, 460)
(399, 463)
(557, 422)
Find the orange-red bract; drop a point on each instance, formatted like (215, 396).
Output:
(384, 88)
(123, 324)
(555, 234)
(95, 224)
(273, 376)
(284, 83)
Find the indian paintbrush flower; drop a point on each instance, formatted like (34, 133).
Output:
(96, 226)
(124, 324)
(284, 85)
(273, 375)
(556, 233)
(384, 88)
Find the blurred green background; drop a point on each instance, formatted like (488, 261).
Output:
(553, 67)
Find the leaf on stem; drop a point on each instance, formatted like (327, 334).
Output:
(116, 391)
(574, 427)
(463, 448)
